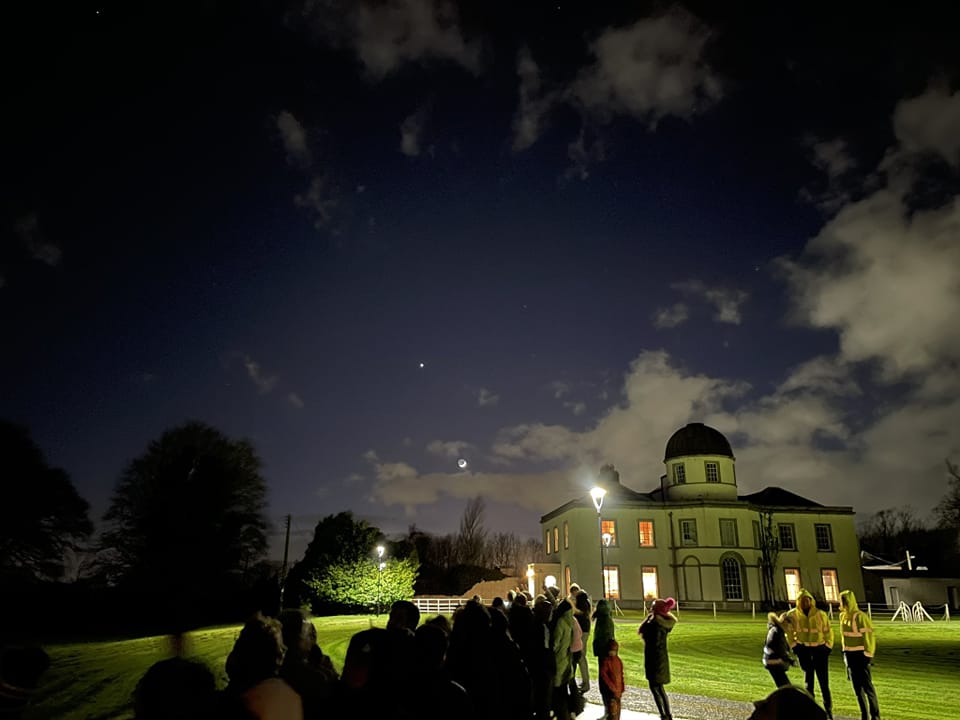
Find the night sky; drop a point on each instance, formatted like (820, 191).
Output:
(376, 238)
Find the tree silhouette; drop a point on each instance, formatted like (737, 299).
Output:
(187, 517)
(948, 509)
(41, 515)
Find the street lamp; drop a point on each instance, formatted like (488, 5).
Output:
(380, 566)
(606, 537)
(597, 494)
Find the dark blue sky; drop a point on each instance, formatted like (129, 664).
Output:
(590, 226)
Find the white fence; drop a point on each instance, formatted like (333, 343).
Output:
(438, 605)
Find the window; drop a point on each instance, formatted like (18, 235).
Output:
(688, 532)
(556, 539)
(566, 577)
(732, 580)
(728, 532)
(788, 538)
(645, 528)
(609, 527)
(791, 577)
(611, 578)
(679, 474)
(713, 471)
(547, 542)
(756, 533)
(566, 536)
(651, 588)
(824, 537)
(831, 590)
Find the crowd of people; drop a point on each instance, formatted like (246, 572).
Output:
(522, 658)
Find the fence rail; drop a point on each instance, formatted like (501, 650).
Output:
(438, 605)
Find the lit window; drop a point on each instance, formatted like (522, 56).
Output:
(732, 579)
(609, 527)
(611, 576)
(792, 578)
(788, 538)
(566, 535)
(688, 532)
(566, 576)
(713, 471)
(651, 587)
(547, 542)
(728, 532)
(679, 474)
(824, 537)
(831, 590)
(646, 533)
(556, 539)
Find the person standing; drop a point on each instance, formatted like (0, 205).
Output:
(859, 645)
(611, 681)
(603, 631)
(582, 615)
(812, 640)
(656, 662)
(777, 658)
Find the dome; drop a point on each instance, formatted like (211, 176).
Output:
(697, 439)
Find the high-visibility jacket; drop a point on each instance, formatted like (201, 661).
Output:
(856, 626)
(813, 629)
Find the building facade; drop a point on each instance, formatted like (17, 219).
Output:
(696, 539)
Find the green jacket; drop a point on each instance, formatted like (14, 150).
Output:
(856, 626)
(560, 642)
(603, 631)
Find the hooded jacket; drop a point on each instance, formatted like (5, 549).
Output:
(811, 628)
(776, 650)
(656, 661)
(856, 626)
(561, 639)
(603, 631)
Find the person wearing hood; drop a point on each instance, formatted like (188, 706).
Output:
(811, 636)
(777, 658)
(561, 639)
(656, 662)
(859, 646)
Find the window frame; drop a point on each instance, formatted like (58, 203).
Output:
(786, 583)
(714, 465)
(566, 535)
(547, 541)
(567, 576)
(614, 536)
(829, 536)
(729, 522)
(679, 474)
(644, 571)
(723, 579)
(835, 600)
(652, 536)
(610, 571)
(793, 536)
(693, 524)
(556, 538)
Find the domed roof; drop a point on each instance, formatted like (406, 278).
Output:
(697, 439)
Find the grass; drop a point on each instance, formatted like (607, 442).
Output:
(917, 671)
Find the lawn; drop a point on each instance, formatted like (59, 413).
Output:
(917, 671)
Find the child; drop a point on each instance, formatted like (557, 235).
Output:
(611, 680)
(777, 658)
(656, 662)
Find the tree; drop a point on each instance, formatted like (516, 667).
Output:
(338, 540)
(360, 586)
(769, 554)
(187, 517)
(891, 532)
(471, 540)
(948, 509)
(42, 518)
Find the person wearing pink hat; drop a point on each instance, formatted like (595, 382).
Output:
(656, 662)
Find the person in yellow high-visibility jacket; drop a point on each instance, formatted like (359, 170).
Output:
(859, 645)
(811, 635)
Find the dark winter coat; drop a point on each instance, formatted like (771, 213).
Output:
(776, 650)
(603, 631)
(656, 661)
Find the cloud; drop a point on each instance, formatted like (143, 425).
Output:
(411, 130)
(486, 398)
(726, 301)
(534, 102)
(388, 35)
(371, 456)
(322, 198)
(584, 154)
(294, 139)
(671, 317)
(27, 229)
(928, 124)
(833, 157)
(560, 388)
(577, 408)
(295, 400)
(265, 383)
(451, 449)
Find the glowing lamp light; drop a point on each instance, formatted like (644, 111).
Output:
(598, 493)
(380, 551)
(550, 581)
(382, 565)
(607, 537)
(529, 572)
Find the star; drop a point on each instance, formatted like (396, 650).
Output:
(422, 366)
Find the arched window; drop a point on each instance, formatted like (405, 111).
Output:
(732, 579)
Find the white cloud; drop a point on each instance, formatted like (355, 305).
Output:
(584, 154)
(294, 139)
(387, 35)
(451, 449)
(559, 388)
(534, 105)
(929, 123)
(321, 198)
(726, 301)
(371, 456)
(411, 130)
(265, 383)
(672, 316)
(27, 229)
(652, 69)
(486, 398)
(833, 157)
(295, 400)
(577, 408)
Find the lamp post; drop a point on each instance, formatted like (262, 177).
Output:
(606, 537)
(380, 566)
(597, 494)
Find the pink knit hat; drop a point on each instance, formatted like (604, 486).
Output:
(662, 607)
